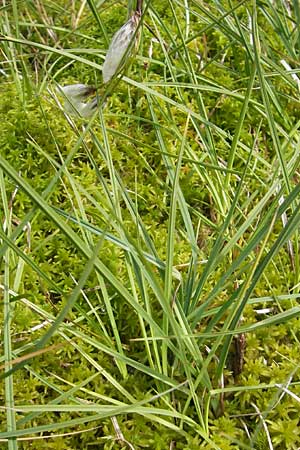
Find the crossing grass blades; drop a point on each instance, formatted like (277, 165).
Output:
(122, 47)
(150, 260)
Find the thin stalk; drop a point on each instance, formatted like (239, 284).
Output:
(8, 311)
(239, 126)
(139, 6)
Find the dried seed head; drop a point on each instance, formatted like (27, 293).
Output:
(120, 47)
(77, 91)
(75, 94)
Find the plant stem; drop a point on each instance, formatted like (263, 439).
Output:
(139, 6)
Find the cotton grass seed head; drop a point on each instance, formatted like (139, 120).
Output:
(121, 47)
(75, 95)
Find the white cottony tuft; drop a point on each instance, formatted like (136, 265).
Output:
(76, 91)
(119, 47)
(74, 95)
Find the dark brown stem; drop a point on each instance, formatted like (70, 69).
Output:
(139, 6)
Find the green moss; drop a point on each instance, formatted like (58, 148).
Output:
(35, 139)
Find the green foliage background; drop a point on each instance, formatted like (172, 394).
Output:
(171, 148)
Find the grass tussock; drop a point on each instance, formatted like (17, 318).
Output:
(150, 253)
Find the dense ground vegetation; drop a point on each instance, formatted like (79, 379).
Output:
(150, 255)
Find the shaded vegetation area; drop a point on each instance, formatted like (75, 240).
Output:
(150, 255)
